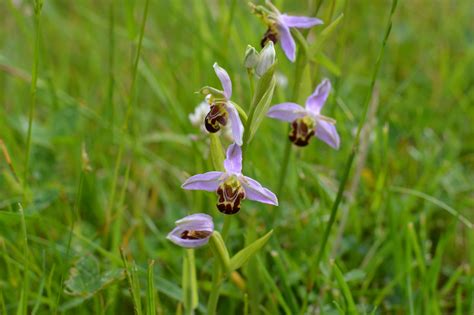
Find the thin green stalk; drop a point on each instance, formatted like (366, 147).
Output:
(226, 226)
(346, 292)
(118, 162)
(110, 94)
(216, 285)
(318, 6)
(135, 66)
(315, 260)
(151, 300)
(221, 264)
(189, 283)
(71, 230)
(23, 305)
(408, 278)
(284, 165)
(33, 90)
(133, 282)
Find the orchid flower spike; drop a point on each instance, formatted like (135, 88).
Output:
(222, 109)
(306, 122)
(279, 29)
(192, 231)
(231, 186)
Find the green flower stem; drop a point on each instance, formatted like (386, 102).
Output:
(221, 268)
(284, 165)
(219, 250)
(226, 226)
(216, 284)
(190, 295)
(315, 260)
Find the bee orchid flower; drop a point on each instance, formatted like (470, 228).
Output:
(231, 185)
(279, 25)
(308, 121)
(222, 109)
(192, 231)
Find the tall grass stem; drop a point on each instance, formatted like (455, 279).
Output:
(315, 260)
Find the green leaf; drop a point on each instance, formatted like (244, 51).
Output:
(151, 295)
(261, 101)
(244, 255)
(316, 47)
(86, 279)
(328, 63)
(220, 250)
(263, 85)
(346, 292)
(217, 153)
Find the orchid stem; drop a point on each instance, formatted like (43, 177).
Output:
(189, 282)
(284, 167)
(226, 226)
(214, 296)
(217, 274)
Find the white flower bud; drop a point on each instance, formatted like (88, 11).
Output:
(251, 57)
(267, 59)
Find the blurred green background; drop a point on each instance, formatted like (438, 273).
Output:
(402, 249)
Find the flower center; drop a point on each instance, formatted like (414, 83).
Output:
(230, 193)
(270, 35)
(216, 117)
(194, 235)
(302, 129)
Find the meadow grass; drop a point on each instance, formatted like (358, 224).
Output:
(95, 143)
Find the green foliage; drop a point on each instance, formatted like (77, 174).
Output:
(86, 278)
(246, 253)
(261, 101)
(407, 242)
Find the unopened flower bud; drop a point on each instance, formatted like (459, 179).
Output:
(192, 231)
(251, 57)
(267, 59)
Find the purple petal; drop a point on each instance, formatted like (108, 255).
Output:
(175, 237)
(225, 80)
(286, 111)
(233, 161)
(287, 43)
(327, 132)
(315, 101)
(299, 21)
(197, 221)
(236, 123)
(255, 191)
(207, 181)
